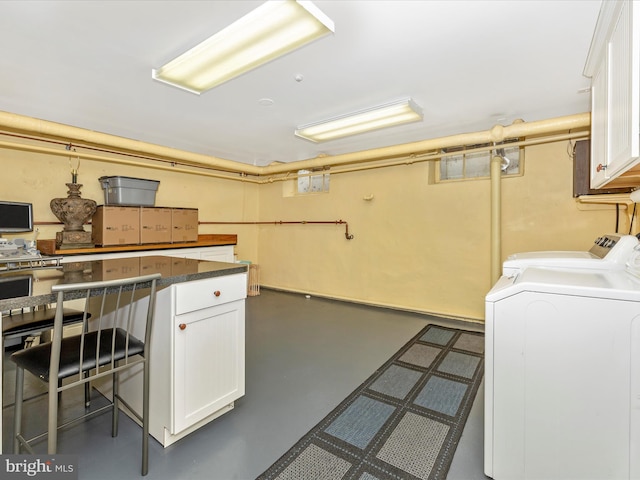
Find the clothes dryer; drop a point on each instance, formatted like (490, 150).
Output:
(562, 378)
(607, 252)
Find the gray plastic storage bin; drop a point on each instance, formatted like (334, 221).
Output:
(129, 191)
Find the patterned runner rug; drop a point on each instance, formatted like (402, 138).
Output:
(404, 422)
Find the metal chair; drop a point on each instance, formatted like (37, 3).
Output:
(109, 344)
(33, 323)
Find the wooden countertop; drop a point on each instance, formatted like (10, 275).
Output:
(48, 246)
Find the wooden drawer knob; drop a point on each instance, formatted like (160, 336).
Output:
(217, 293)
(182, 326)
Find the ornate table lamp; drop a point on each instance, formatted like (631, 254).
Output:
(74, 212)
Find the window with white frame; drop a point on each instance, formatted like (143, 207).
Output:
(469, 162)
(311, 181)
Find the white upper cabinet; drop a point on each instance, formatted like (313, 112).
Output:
(614, 67)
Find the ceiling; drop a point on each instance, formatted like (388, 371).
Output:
(469, 64)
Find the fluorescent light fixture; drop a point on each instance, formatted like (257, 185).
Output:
(388, 115)
(273, 29)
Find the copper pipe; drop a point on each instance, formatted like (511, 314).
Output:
(280, 222)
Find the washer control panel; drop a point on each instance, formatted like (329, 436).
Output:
(603, 245)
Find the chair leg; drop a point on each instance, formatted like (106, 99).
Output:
(87, 392)
(52, 429)
(4, 341)
(145, 418)
(17, 415)
(116, 405)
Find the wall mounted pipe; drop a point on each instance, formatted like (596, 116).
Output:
(496, 218)
(347, 235)
(28, 125)
(167, 166)
(45, 129)
(497, 134)
(426, 157)
(290, 175)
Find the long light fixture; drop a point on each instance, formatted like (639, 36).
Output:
(273, 29)
(391, 114)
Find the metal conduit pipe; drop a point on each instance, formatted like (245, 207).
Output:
(426, 157)
(497, 134)
(347, 235)
(22, 124)
(289, 175)
(122, 161)
(27, 125)
(496, 218)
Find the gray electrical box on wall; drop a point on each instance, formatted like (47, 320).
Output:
(582, 172)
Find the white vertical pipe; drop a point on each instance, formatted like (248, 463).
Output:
(496, 219)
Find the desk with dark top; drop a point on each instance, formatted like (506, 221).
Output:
(32, 287)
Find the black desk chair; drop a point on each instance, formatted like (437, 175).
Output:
(106, 346)
(32, 323)
(35, 322)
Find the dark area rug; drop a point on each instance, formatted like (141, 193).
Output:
(404, 422)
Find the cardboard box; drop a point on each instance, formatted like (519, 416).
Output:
(113, 225)
(184, 225)
(155, 225)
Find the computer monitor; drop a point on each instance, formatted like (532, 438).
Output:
(16, 217)
(13, 287)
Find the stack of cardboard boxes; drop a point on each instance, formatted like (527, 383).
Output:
(133, 225)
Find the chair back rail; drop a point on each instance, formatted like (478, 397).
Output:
(117, 338)
(108, 317)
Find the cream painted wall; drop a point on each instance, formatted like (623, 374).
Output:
(421, 246)
(539, 212)
(417, 246)
(37, 178)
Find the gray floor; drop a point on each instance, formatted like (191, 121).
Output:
(303, 357)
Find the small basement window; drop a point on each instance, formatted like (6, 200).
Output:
(312, 181)
(472, 164)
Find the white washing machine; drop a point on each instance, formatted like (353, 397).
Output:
(562, 378)
(607, 252)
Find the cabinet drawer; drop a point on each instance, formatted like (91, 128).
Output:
(210, 292)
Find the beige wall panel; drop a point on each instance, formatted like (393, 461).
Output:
(421, 246)
(540, 213)
(417, 246)
(37, 178)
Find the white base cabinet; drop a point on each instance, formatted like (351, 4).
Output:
(200, 330)
(197, 358)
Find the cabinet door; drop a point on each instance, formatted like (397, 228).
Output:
(623, 87)
(599, 156)
(615, 112)
(208, 362)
